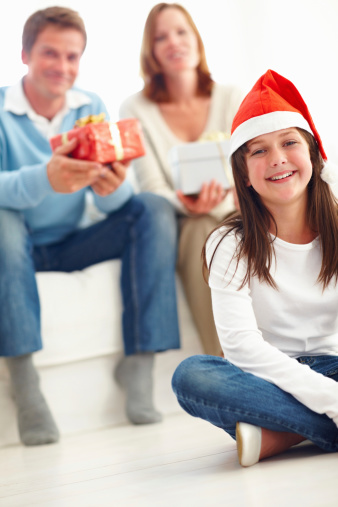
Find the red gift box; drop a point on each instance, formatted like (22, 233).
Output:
(103, 141)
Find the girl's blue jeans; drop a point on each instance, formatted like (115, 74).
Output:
(142, 234)
(215, 390)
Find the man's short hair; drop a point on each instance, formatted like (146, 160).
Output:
(60, 17)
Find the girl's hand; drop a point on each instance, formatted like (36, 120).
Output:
(209, 197)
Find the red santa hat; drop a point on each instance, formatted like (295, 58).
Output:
(274, 103)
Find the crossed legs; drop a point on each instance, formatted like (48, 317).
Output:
(217, 391)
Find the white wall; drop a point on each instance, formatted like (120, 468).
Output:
(243, 38)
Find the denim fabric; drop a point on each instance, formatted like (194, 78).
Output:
(217, 391)
(142, 234)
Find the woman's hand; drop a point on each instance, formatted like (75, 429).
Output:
(209, 197)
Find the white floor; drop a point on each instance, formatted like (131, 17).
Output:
(180, 462)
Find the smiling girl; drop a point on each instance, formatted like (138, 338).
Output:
(273, 272)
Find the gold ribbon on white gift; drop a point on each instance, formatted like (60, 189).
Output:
(217, 137)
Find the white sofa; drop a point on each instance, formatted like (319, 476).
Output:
(81, 329)
(82, 337)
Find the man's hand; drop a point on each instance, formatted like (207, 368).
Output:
(67, 175)
(210, 196)
(111, 179)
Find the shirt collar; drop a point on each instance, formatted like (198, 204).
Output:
(16, 101)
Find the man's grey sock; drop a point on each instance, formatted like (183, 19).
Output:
(134, 375)
(35, 421)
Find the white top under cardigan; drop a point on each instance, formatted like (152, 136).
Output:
(153, 171)
(263, 330)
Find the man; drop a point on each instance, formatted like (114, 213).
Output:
(42, 199)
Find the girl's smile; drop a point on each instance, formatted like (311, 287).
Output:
(283, 176)
(279, 166)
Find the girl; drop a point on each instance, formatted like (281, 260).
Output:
(273, 272)
(181, 103)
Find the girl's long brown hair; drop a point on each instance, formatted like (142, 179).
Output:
(252, 223)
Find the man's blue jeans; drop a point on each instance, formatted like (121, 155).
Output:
(215, 390)
(142, 234)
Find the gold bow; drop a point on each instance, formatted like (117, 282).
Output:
(215, 135)
(91, 118)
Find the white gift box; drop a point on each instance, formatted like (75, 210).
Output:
(196, 163)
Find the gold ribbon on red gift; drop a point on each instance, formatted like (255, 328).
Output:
(82, 122)
(115, 141)
(64, 138)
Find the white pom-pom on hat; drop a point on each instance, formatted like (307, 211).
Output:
(329, 173)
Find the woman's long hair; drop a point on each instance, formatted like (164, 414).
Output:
(154, 82)
(253, 222)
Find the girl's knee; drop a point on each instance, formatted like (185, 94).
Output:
(201, 376)
(188, 374)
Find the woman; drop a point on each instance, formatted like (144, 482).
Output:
(181, 103)
(273, 271)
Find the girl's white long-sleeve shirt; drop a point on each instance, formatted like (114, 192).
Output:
(263, 330)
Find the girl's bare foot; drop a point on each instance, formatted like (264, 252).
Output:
(275, 442)
(255, 443)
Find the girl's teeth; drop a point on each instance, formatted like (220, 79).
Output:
(274, 178)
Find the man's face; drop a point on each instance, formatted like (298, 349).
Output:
(53, 62)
